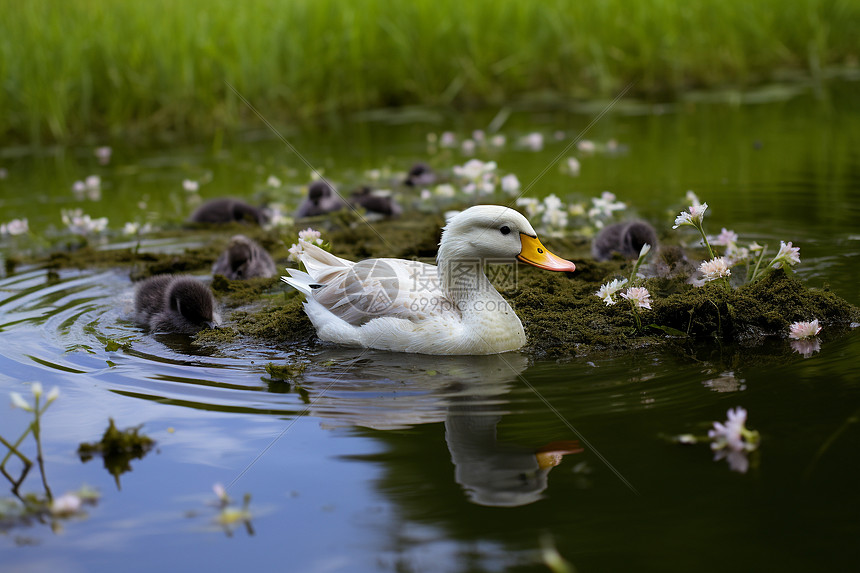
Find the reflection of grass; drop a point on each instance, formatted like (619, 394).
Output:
(80, 65)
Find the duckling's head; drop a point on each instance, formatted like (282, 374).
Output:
(318, 190)
(194, 301)
(493, 232)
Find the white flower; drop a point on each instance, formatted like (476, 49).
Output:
(130, 228)
(533, 207)
(190, 185)
(533, 141)
(607, 290)
(18, 401)
(79, 187)
(498, 141)
(605, 205)
(755, 247)
(646, 248)
(448, 139)
(82, 224)
(53, 394)
(467, 147)
(715, 269)
(103, 154)
(479, 136)
(373, 174)
(573, 166)
(510, 183)
(576, 209)
(296, 251)
(731, 434)
(426, 195)
(639, 296)
(801, 330)
(554, 212)
(36, 389)
(726, 238)
(66, 504)
(787, 255)
(15, 227)
(311, 236)
(735, 254)
(445, 190)
(221, 493)
(586, 146)
(693, 198)
(93, 182)
(474, 169)
(273, 181)
(692, 217)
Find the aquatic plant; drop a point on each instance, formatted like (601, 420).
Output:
(606, 291)
(82, 224)
(15, 227)
(732, 440)
(230, 516)
(117, 448)
(190, 185)
(37, 506)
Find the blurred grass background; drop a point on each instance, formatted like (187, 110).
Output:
(76, 68)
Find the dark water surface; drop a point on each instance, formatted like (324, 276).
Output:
(390, 462)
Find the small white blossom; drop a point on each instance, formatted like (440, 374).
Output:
(498, 140)
(646, 248)
(715, 269)
(533, 141)
(532, 206)
(586, 146)
(190, 185)
(692, 217)
(576, 209)
(606, 291)
(554, 212)
(693, 198)
(639, 296)
(103, 154)
(801, 330)
(296, 252)
(787, 255)
(467, 147)
(273, 181)
(311, 236)
(79, 187)
(479, 136)
(36, 389)
(426, 195)
(755, 247)
(726, 238)
(445, 190)
(605, 205)
(18, 401)
(53, 394)
(4, 173)
(131, 228)
(93, 182)
(82, 224)
(510, 183)
(573, 166)
(731, 434)
(66, 504)
(221, 493)
(448, 139)
(15, 227)
(474, 169)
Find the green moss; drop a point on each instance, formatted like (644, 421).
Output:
(117, 448)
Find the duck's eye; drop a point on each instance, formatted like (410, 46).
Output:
(505, 229)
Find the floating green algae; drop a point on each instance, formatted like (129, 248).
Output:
(117, 448)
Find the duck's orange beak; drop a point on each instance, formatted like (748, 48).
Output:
(534, 253)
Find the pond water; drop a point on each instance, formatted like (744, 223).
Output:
(380, 461)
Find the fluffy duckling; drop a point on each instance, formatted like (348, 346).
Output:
(180, 304)
(227, 210)
(375, 202)
(322, 199)
(624, 238)
(420, 175)
(244, 259)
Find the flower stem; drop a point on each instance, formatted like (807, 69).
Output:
(757, 264)
(705, 240)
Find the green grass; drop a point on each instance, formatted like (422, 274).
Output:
(81, 67)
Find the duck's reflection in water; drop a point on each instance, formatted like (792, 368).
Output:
(385, 391)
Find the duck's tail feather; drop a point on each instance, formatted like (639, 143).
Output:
(322, 265)
(301, 281)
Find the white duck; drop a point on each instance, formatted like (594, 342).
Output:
(408, 306)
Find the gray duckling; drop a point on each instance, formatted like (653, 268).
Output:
(227, 210)
(420, 175)
(624, 238)
(180, 304)
(244, 259)
(322, 199)
(375, 202)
